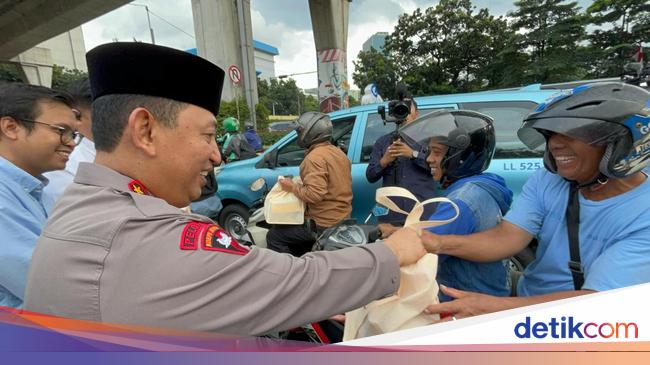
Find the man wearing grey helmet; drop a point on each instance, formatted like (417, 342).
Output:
(326, 187)
(588, 208)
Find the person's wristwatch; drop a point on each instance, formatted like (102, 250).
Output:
(414, 155)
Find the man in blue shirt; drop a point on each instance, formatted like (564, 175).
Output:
(397, 164)
(80, 92)
(597, 145)
(38, 131)
(461, 145)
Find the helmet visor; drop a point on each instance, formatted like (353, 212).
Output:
(533, 132)
(443, 125)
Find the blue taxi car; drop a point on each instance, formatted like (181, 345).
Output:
(356, 130)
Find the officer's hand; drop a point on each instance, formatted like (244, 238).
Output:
(400, 149)
(432, 242)
(286, 184)
(387, 158)
(406, 245)
(466, 304)
(387, 229)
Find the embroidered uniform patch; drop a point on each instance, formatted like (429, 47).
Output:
(216, 239)
(191, 235)
(211, 238)
(138, 188)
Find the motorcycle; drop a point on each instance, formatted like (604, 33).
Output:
(348, 233)
(254, 233)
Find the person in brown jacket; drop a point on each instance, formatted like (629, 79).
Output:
(326, 187)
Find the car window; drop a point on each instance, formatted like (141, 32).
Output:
(508, 116)
(292, 155)
(280, 126)
(375, 128)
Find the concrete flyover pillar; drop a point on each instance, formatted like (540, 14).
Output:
(36, 66)
(224, 36)
(329, 19)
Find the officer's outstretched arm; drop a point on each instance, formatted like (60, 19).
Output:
(500, 242)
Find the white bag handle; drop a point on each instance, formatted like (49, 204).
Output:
(413, 217)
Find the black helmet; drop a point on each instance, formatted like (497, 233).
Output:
(469, 135)
(612, 114)
(313, 127)
(346, 234)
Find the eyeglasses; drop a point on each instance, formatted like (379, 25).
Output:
(66, 134)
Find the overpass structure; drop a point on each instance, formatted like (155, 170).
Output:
(223, 33)
(26, 23)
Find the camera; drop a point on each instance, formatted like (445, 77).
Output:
(398, 110)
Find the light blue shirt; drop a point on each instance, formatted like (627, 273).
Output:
(60, 179)
(22, 217)
(614, 236)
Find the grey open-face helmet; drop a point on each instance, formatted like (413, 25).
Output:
(312, 128)
(615, 115)
(468, 134)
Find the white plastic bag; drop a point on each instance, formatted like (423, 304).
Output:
(282, 207)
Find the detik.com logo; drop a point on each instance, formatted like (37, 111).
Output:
(568, 327)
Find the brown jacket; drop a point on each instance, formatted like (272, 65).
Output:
(326, 184)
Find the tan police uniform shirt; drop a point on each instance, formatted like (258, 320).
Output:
(108, 253)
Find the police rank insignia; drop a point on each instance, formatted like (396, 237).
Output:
(138, 188)
(211, 238)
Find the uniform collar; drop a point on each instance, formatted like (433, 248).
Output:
(103, 176)
(90, 173)
(29, 183)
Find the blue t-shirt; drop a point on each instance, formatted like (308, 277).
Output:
(482, 200)
(22, 216)
(614, 237)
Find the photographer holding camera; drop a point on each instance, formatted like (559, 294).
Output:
(398, 164)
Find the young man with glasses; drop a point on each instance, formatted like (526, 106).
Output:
(81, 95)
(38, 131)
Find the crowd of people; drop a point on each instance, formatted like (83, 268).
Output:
(95, 179)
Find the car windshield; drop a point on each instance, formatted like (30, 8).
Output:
(280, 126)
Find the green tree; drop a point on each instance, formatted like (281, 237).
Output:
(552, 31)
(628, 26)
(373, 67)
(9, 72)
(236, 109)
(62, 77)
(447, 48)
(281, 95)
(310, 104)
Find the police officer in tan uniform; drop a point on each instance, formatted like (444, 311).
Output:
(118, 249)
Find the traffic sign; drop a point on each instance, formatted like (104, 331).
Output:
(235, 74)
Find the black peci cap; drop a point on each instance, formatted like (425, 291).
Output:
(146, 69)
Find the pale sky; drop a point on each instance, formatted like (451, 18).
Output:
(285, 24)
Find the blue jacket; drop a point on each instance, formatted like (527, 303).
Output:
(483, 200)
(253, 139)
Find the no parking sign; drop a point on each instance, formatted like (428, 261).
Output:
(235, 74)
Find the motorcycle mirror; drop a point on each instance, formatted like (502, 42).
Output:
(258, 184)
(379, 210)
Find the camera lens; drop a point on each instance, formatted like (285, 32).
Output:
(401, 110)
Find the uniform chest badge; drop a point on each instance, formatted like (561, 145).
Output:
(211, 238)
(138, 188)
